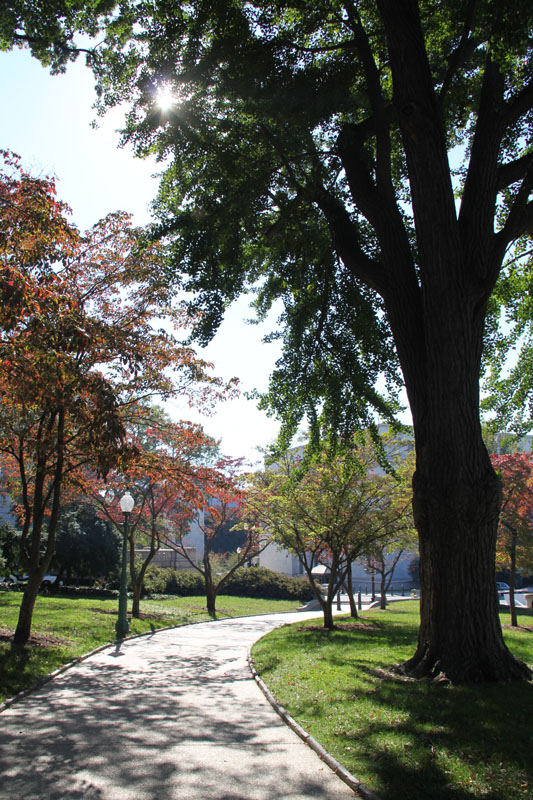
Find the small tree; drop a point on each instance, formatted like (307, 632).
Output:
(77, 344)
(325, 511)
(514, 548)
(164, 477)
(221, 512)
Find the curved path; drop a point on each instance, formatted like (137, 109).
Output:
(171, 716)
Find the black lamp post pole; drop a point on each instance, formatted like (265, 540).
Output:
(122, 625)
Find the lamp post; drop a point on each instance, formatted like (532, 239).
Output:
(122, 625)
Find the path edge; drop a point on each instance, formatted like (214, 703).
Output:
(360, 788)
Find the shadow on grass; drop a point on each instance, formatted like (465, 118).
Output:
(408, 739)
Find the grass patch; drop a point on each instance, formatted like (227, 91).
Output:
(65, 628)
(404, 739)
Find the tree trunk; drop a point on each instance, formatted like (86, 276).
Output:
(210, 597)
(512, 604)
(210, 588)
(136, 600)
(327, 611)
(349, 591)
(456, 505)
(31, 590)
(383, 589)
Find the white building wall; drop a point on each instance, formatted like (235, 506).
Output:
(195, 537)
(276, 558)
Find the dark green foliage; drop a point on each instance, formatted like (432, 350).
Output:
(86, 545)
(48, 27)
(245, 582)
(262, 582)
(226, 540)
(10, 548)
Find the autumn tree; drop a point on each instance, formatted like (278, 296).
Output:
(369, 164)
(515, 532)
(394, 514)
(165, 477)
(77, 343)
(221, 511)
(328, 510)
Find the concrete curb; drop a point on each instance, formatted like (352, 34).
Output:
(346, 776)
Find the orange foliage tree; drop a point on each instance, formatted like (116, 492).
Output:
(77, 346)
(514, 546)
(165, 476)
(221, 511)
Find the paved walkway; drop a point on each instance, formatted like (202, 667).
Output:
(171, 716)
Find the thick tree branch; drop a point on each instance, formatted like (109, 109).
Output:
(476, 217)
(463, 50)
(519, 105)
(520, 217)
(346, 240)
(513, 171)
(423, 136)
(375, 95)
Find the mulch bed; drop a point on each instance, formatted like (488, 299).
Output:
(36, 639)
(519, 628)
(343, 626)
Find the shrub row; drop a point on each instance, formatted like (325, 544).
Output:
(245, 582)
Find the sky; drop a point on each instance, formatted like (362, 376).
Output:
(47, 121)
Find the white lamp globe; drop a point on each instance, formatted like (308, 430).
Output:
(126, 503)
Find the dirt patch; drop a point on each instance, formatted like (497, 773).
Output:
(528, 628)
(342, 626)
(36, 639)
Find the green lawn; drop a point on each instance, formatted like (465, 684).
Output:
(65, 628)
(406, 740)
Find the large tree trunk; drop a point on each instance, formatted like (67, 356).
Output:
(456, 504)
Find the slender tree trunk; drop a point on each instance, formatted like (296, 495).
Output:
(210, 588)
(136, 600)
(383, 589)
(31, 590)
(349, 591)
(512, 604)
(210, 597)
(327, 611)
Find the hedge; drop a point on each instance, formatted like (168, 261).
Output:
(245, 582)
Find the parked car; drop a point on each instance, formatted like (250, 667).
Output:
(9, 580)
(501, 586)
(46, 582)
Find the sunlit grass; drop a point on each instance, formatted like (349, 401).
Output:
(65, 628)
(404, 739)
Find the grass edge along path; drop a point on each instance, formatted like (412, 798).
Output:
(66, 629)
(403, 739)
